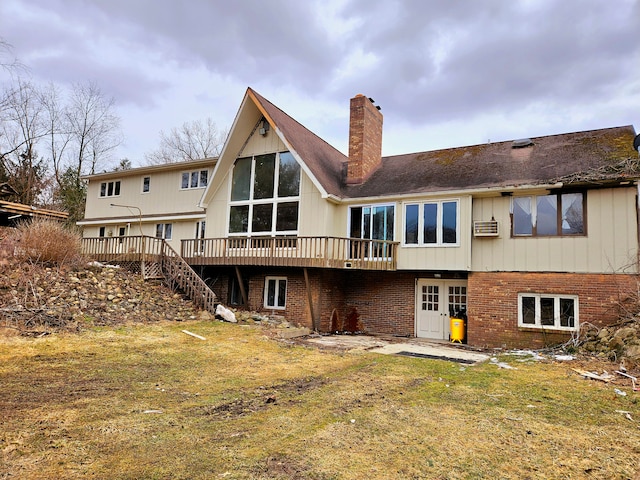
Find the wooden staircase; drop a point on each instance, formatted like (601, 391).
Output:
(156, 259)
(179, 275)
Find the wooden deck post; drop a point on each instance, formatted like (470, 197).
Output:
(314, 320)
(243, 292)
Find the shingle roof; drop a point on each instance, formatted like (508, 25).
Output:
(549, 159)
(322, 159)
(498, 164)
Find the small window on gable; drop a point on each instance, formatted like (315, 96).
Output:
(146, 184)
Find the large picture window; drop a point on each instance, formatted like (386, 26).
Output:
(548, 215)
(432, 223)
(265, 194)
(559, 312)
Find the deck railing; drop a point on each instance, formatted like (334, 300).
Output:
(179, 274)
(123, 249)
(323, 252)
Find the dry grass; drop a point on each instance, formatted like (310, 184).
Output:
(242, 406)
(45, 242)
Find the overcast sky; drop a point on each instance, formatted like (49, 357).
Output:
(445, 72)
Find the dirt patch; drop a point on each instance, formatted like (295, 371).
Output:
(262, 398)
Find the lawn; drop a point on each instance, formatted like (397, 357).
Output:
(150, 402)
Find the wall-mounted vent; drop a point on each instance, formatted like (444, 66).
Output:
(486, 228)
(522, 143)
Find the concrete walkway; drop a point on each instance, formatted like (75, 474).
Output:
(413, 347)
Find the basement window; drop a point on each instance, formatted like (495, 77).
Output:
(275, 292)
(554, 312)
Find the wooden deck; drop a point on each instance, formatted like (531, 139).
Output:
(312, 252)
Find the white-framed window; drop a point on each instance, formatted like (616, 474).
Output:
(102, 231)
(110, 189)
(164, 230)
(434, 223)
(539, 310)
(195, 179)
(146, 184)
(265, 195)
(557, 214)
(275, 292)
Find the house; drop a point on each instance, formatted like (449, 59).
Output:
(527, 240)
(160, 201)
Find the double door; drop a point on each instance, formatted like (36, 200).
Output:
(436, 302)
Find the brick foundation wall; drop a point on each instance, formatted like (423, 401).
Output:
(384, 302)
(493, 304)
(380, 302)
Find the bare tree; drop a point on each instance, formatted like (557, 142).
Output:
(193, 141)
(22, 126)
(93, 127)
(7, 60)
(76, 134)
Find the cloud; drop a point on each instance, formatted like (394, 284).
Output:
(445, 72)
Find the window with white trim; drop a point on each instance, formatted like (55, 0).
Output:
(164, 230)
(110, 189)
(432, 223)
(265, 195)
(275, 292)
(557, 312)
(146, 184)
(195, 179)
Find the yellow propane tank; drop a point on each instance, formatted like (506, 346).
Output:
(457, 330)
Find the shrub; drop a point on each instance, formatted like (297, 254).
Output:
(47, 242)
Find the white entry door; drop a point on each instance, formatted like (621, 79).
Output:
(436, 300)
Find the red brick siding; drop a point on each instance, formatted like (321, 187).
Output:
(493, 304)
(383, 302)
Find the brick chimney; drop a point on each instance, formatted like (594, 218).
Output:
(365, 139)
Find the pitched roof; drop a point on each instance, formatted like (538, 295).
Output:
(324, 161)
(571, 157)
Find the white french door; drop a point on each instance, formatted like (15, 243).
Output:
(436, 302)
